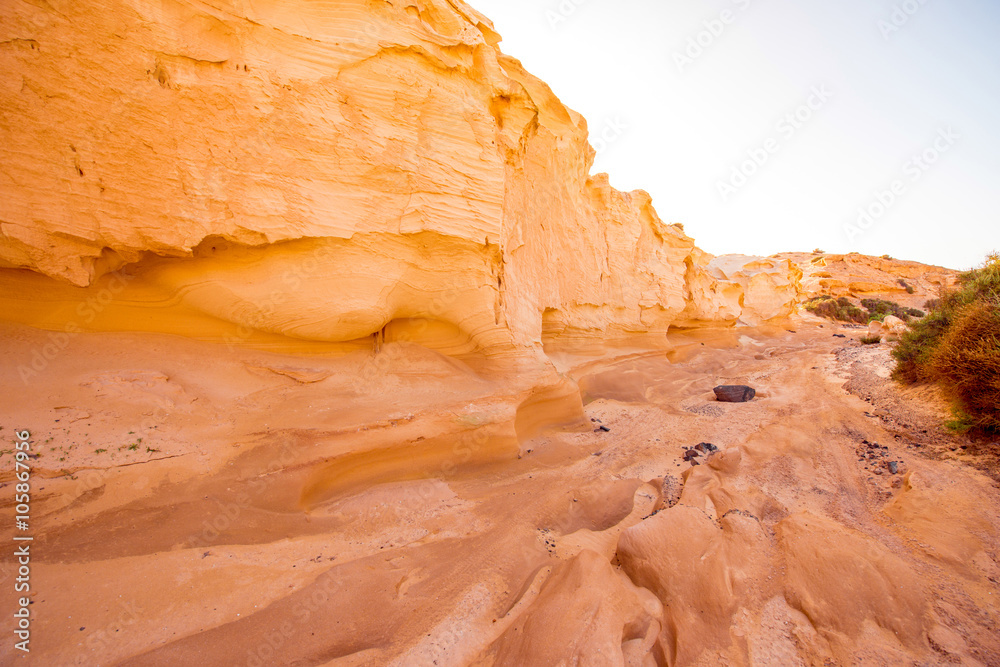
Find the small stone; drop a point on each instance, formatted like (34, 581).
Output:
(736, 393)
(690, 454)
(893, 467)
(601, 428)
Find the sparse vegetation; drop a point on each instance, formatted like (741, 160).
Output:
(958, 346)
(836, 309)
(878, 309)
(886, 256)
(871, 340)
(872, 309)
(905, 285)
(817, 251)
(100, 451)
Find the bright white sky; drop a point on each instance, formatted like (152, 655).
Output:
(930, 88)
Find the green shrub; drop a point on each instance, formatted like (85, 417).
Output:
(961, 422)
(913, 354)
(836, 309)
(873, 309)
(871, 340)
(957, 344)
(878, 309)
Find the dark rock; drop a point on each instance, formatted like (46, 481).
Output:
(839, 336)
(893, 467)
(601, 428)
(706, 447)
(690, 454)
(734, 393)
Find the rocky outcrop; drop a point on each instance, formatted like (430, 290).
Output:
(328, 171)
(854, 275)
(740, 287)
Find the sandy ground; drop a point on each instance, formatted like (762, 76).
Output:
(197, 505)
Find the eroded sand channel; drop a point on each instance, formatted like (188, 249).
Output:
(294, 515)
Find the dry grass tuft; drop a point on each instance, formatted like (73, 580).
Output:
(958, 346)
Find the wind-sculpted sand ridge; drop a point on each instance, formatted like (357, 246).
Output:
(253, 546)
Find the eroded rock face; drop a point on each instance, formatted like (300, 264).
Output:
(442, 182)
(750, 289)
(909, 283)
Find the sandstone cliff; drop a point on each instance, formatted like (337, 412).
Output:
(325, 171)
